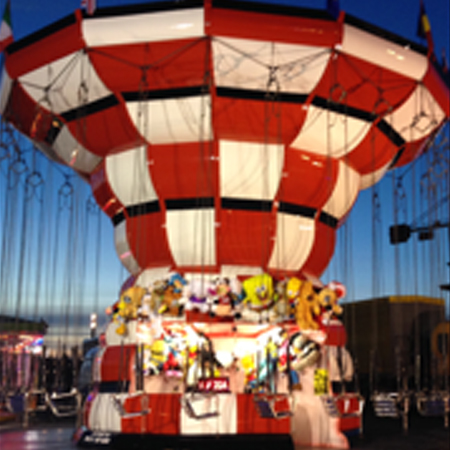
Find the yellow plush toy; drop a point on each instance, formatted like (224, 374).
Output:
(127, 308)
(307, 304)
(258, 292)
(328, 298)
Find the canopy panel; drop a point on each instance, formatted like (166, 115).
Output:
(221, 138)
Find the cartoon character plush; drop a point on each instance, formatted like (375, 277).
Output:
(171, 299)
(307, 304)
(156, 357)
(258, 292)
(200, 295)
(225, 300)
(329, 297)
(306, 353)
(157, 295)
(247, 364)
(283, 309)
(128, 307)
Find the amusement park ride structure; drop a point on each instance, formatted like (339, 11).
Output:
(226, 155)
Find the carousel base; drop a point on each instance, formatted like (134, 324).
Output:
(91, 439)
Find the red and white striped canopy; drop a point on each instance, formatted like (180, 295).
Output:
(223, 136)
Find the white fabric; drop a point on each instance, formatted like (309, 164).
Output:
(103, 416)
(65, 77)
(129, 178)
(344, 193)
(330, 133)
(191, 235)
(5, 90)
(249, 64)
(387, 54)
(224, 423)
(123, 249)
(250, 170)
(369, 179)
(418, 116)
(293, 242)
(234, 271)
(185, 119)
(146, 27)
(73, 153)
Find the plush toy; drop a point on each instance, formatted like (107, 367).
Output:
(247, 364)
(171, 299)
(156, 357)
(258, 292)
(128, 307)
(157, 295)
(329, 297)
(307, 304)
(306, 353)
(225, 300)
(172, 365)
(201, 291)
(283, 308)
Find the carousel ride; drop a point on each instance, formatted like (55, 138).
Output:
(226, 154)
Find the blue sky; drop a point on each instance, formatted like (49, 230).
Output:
(366, 273)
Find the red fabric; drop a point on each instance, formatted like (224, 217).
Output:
(106, 132)
(335, 330)
(282, 28)
(322, 251)
(250, 422)
(372, 153)
(410, 151)
(50, 48)
(116, 363)
(148, 240)
(245, 237)
(103, 193)
(256, 120)
(185, 170)
(163, 418)
(308, 179)
(360, 84)
(171, 64)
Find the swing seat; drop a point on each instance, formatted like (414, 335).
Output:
(35, 401)
(65, 404)
(389, 405)
(15, 403)
(332, 402)
(187, 403)
(433, 405)
(272, 406)
(124, 414)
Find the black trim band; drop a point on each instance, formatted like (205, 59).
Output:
(42, 33)
(328, 219)
(189, 91)
(297, 210)
(143, 208)
(390, 133)
(342, 108)
(118, 218)
(190, 203)
(246, 204)
(250, 94)
(90, 108)
(180, 204)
